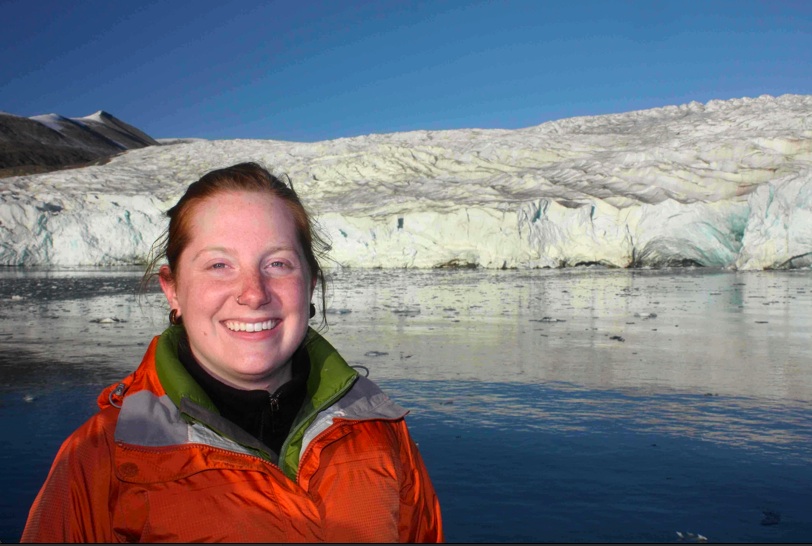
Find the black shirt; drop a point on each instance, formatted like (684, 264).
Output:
(266, 416)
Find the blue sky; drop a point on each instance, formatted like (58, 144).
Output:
(315, 70)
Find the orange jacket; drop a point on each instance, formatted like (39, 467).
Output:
(159, 464)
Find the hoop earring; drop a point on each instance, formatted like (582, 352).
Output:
(174, 318)
(312, 310)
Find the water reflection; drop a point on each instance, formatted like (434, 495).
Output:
(718, 332)
(782, 431)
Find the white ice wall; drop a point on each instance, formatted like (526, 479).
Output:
(725, 184)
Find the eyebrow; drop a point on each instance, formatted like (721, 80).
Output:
(227, 250)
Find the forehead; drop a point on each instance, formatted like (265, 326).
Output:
(240, 215)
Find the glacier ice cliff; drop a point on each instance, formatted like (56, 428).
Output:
(723, 184)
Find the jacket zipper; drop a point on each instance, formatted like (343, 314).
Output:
(133, 447)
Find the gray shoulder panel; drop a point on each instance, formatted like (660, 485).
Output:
(150, 420)
(364, 401)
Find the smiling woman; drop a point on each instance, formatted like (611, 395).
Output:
(246, 288)
(242, 424)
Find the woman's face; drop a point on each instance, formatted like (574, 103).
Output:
(243, 288)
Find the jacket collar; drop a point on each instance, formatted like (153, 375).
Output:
(330, 378)
(330, 375)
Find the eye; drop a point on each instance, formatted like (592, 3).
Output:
(277, 266)
(218, 265)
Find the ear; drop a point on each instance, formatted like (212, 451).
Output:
(168, 286)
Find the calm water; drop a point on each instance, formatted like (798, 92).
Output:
(582, 405)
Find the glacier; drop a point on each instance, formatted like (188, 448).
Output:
(723, 184)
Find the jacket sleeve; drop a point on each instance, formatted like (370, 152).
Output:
(73, 504)
(420, 518)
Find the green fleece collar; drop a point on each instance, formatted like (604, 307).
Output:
(174, 378)
(330, 377)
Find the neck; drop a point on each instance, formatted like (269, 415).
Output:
(270, 382)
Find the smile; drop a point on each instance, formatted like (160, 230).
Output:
(236, 326)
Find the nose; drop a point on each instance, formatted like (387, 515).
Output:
(254, 290)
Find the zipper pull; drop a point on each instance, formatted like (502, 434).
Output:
(274, 401)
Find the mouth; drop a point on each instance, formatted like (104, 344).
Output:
(237, 326)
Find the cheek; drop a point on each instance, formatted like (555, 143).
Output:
(291, 290)
(202, 299)
(303, 293)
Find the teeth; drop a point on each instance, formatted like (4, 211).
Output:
(235, 326)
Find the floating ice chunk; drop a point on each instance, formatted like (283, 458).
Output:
(691, 537)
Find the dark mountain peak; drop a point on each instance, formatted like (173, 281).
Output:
(53, 141)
